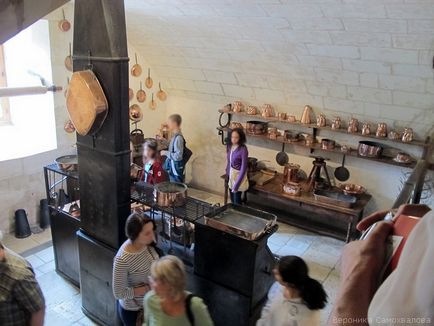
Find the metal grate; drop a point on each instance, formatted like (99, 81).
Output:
(191, 211)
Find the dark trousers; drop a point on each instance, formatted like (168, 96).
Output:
(128, 317)
(236, 197)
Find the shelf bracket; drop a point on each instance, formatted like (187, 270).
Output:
(223, 138)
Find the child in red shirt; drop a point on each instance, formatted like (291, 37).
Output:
(153, 172)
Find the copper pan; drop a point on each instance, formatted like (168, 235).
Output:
(68, 59)
(161, 95)
(148, 81)
(136, 69)
(64, 24)
(141, 94)
(152, 104)
(130, 94)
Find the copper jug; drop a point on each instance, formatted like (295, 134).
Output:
(290, 173)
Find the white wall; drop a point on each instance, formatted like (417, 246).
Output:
(366, 59)
(21, 180)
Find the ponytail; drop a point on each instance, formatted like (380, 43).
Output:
(294, 272)
(313, 294)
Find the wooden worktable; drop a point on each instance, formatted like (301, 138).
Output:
(306, 212)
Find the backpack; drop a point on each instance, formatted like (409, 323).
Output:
(188, 310)
(187, 153)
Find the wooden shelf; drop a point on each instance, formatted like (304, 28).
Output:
(337, 150)
(415, 142)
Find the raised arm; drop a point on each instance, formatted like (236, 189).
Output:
(362, 262)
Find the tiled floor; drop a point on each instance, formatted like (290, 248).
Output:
(64, 300)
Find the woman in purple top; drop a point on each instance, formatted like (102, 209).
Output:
(236, 168)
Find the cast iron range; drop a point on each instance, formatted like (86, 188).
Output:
(100, 44)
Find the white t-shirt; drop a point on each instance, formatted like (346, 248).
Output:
(406, 297)
(280, 311)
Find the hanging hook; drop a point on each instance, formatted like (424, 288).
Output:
(89, 61)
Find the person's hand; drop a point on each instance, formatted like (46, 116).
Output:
(368, 254)
(406, 209)
(164, 153)
(361, 265)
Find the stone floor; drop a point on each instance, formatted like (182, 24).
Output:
(64, 301)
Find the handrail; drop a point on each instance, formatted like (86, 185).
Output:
(413, 187)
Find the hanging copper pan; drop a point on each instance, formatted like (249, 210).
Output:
(86, 102)
(148, 81)
(136, 70)
(68, 59)
(161, 95)
(135, 113)
(152, 104)
(141, 94)
(130, 94)
(64, 24)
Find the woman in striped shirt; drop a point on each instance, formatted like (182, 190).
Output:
(131, 267)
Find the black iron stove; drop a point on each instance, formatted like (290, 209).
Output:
(100, 44)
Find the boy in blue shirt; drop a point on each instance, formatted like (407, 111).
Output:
(174, 164)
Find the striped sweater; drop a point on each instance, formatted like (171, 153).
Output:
(131, 270)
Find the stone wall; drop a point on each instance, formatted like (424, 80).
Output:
(371, 61)
(21, 180)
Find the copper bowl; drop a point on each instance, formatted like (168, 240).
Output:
(352, 189)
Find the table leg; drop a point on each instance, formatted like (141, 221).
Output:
(226, 192)
(349, 228)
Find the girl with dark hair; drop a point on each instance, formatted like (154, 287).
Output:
(153, 171)
(132, 266)
(295, 299)
(236, 167)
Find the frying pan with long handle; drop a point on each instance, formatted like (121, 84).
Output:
(342, 173)
(282, 157)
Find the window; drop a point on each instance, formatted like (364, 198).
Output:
(30, 126)
(5, 117)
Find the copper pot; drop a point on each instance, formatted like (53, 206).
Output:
(306, 116)
(290, 173)
(237, 106)
(172, 194)
(252, 110)
(67, 162)
(135, 113)
(281, 115)
(267, 111)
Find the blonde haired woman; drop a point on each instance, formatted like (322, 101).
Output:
(168, 304)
